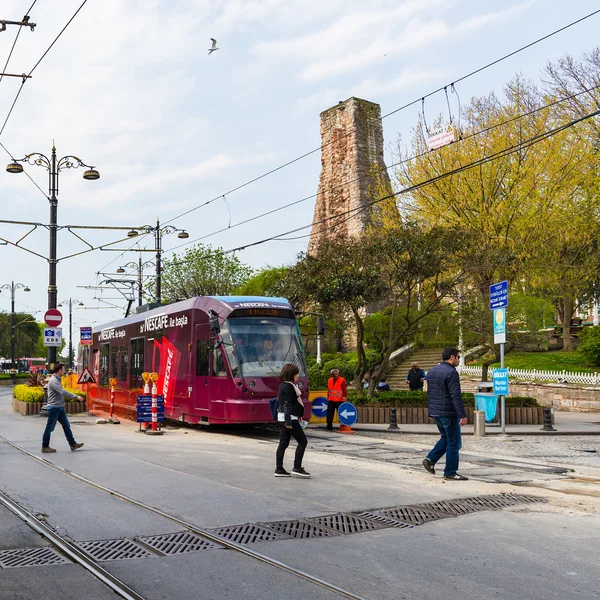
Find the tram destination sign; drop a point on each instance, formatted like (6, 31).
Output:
(499, 295)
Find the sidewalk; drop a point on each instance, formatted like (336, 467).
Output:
(567, 423)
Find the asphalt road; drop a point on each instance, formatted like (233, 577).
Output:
(216, 479)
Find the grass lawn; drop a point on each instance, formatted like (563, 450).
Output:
(547, 361)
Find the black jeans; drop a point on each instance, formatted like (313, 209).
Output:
(331, 408)
(284, 441)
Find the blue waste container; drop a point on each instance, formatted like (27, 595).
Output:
(489, 404)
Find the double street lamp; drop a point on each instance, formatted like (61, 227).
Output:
(13, 287)
(53, 165)
(140, 272)
(70, 302)
(158, 232)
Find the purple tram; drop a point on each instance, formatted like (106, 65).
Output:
(218, 358)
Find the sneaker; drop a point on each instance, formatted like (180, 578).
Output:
(76, 446)
(456, 477)
(329, 428)
(48, 450)
(428, 466)
(300, 473)
(281, 472)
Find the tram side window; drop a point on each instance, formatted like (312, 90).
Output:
(202, 357)
(114, 362)
(123, 365)
(104, 349)
(136, 365)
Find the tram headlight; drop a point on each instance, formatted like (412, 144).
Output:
(252, 384)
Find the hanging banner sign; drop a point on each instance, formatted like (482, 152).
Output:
(85, 336)
(440, 137)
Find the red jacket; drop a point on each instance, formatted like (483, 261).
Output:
(336, 390)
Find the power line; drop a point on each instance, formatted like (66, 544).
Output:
(421, 98)
(15, 42)
(500, 154)
(380, 170)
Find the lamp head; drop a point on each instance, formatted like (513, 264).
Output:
(14, 167)
(91, 175)
(121, 269)
(26, 289)
(183, 235)
(133, 233)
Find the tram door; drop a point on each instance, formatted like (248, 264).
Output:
(201, 392)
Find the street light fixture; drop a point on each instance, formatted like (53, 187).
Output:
(12, 287)
(70, 302)
(54, 166)
(158, 232)
(140, 272)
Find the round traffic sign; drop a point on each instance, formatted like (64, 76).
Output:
(53, 317)
(347, 413)
(319, 406)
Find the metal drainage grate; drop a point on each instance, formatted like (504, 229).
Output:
(464, 506)
(114, 550)
(346, 523)
(178, 543)
(250, 533)
(31, 557)
(386, 521)
(300, 529)
(415, 515)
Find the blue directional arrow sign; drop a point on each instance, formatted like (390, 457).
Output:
(347, 413)
(319, 406)
(499, 295)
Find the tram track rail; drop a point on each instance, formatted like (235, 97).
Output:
(80, 557)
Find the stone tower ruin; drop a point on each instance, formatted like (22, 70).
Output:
(353, 173)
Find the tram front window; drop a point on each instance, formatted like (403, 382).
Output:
(263, 345)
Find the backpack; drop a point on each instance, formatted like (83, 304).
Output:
(273, 407)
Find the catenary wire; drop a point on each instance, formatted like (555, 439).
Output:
(386, 168)
(15, 43)
(478, 70)
(500, 154)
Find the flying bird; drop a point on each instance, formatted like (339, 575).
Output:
(213, 47)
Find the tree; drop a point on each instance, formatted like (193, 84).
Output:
(26, 334)
(201, 271)
(343, 277)
(269, 281)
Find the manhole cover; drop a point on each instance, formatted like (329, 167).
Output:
(248, 534)
(178, 543)
(346, 523)
(300, 529)
(114, 550)
(31, 557)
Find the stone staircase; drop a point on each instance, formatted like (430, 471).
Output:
(425, 357)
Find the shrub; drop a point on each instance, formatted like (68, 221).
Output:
(36, 379)
(346, 363)
(590, 344)
(17, 375)
(27, 393)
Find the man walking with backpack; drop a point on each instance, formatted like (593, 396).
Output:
(446, 408)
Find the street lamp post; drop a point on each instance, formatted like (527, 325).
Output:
(158, 232)
(70, 302)
(140, 272)
(53, 165)
(12, 287)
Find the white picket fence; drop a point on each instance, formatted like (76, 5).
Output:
(538, 375)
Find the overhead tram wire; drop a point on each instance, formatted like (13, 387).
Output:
(386, 168)
(15, 42)
(499, 154)
(29, 75)
(419, 99)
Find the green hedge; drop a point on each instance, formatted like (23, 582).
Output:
(26, 393)
(400, 398)
(17, 375)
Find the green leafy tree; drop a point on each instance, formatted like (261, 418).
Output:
(201, 271)
(270, 281)
(590, 345)
(26, 334)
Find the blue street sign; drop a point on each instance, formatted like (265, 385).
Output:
(144, 409)
(319, 406)
(85, 336)
(347, 413)
(500, 379)
(499, 295)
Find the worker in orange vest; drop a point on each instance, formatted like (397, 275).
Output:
(336, 394)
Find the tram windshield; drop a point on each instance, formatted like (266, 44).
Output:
(261, 346)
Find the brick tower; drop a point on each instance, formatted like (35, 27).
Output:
(353, 173)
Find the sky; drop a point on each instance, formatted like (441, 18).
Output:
(129, 88)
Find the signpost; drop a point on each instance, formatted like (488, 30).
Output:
(347, 413)
(319, 407)
(53, 337)
(498, 304)
(85, 336)
(53, 317)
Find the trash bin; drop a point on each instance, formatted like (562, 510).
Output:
(485, 386)
(488, 403)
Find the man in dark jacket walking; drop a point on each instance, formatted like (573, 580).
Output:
(448, 411)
